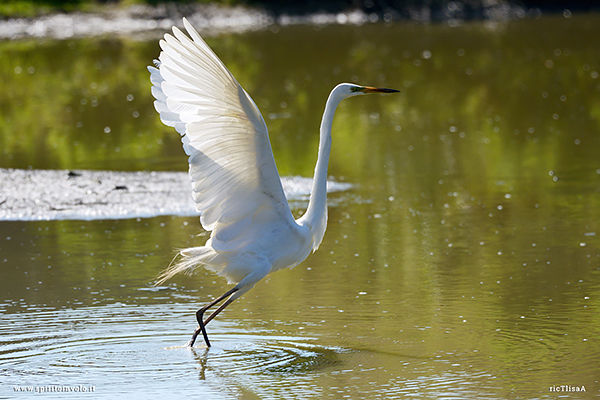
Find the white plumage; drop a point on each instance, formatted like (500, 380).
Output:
(235, 183)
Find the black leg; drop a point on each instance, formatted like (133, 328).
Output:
(200, 316)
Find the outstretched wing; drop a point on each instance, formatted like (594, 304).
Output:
(234, 178)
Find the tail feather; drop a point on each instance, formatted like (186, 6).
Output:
(189, 260)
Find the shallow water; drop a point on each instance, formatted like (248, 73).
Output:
(465, 263)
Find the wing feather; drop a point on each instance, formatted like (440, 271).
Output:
(235, 183)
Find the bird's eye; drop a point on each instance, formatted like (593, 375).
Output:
(355, 88)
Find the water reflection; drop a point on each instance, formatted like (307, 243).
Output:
(463, 263)
(85, 103)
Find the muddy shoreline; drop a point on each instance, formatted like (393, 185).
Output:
(32, 195)
(146, 20)
(134, 20)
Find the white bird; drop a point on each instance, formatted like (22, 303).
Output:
(235, 183)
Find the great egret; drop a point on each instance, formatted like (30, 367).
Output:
(236, 186)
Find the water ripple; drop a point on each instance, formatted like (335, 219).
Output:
(115, 345)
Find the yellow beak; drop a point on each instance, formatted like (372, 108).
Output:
(370, 89)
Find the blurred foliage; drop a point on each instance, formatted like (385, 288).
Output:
(32, 8)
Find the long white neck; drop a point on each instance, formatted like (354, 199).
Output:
(316, 213)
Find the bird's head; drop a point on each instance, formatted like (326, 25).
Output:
(350, 89)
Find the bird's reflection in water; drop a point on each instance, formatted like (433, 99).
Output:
(201, 356)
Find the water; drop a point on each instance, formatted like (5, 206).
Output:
(464, 262)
